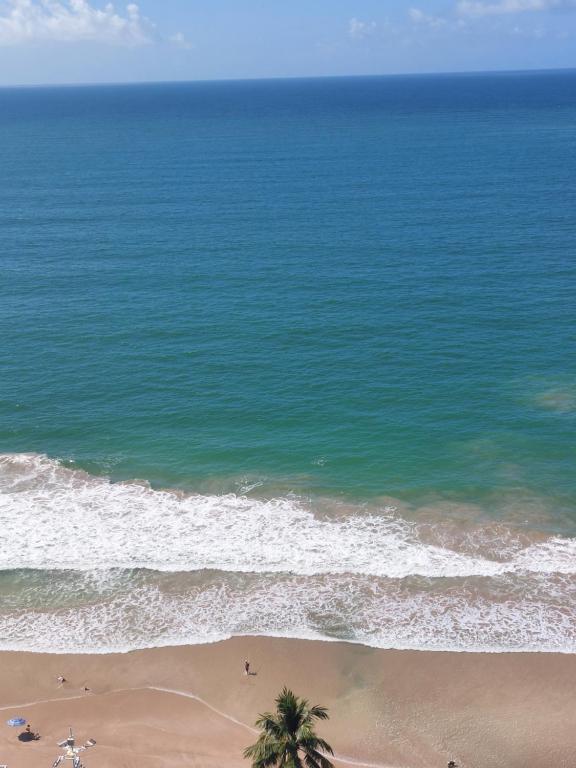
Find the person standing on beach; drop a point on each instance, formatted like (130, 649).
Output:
(246, 667)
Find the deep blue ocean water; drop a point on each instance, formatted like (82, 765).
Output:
(349, 294)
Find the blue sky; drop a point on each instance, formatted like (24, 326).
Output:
(71, 41)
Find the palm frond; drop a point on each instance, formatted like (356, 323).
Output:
(311, 762)
(315, 742)
(319, 713)
(270, 723)
(265, 752)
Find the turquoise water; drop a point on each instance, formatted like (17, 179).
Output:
(345, 295)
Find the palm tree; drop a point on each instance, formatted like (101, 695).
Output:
(288, 739)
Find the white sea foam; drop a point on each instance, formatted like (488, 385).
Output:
(379, 613)
(94, 566)
(76, 521)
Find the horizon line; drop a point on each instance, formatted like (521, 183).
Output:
(442, 73)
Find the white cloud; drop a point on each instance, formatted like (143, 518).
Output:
(419, 17)
(360, 29)
(536, 33)
(478, 8)
(24, 21)
(180, 41)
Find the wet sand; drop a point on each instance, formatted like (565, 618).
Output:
(194, 706)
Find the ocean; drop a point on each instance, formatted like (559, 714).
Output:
(291, 358)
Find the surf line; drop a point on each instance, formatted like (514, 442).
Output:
(46, 701)
(185, 695)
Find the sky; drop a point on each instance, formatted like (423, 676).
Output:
(95, 41)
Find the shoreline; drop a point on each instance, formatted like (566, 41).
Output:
(193, 705)
(118, 651)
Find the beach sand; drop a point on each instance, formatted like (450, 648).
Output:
(388, 708)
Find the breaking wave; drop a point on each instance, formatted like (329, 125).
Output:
(91, 565)
(78, 521)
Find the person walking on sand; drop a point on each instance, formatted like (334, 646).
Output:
(246, 667)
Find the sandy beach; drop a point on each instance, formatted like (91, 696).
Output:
(195, 706)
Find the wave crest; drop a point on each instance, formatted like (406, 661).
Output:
(78, 521)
